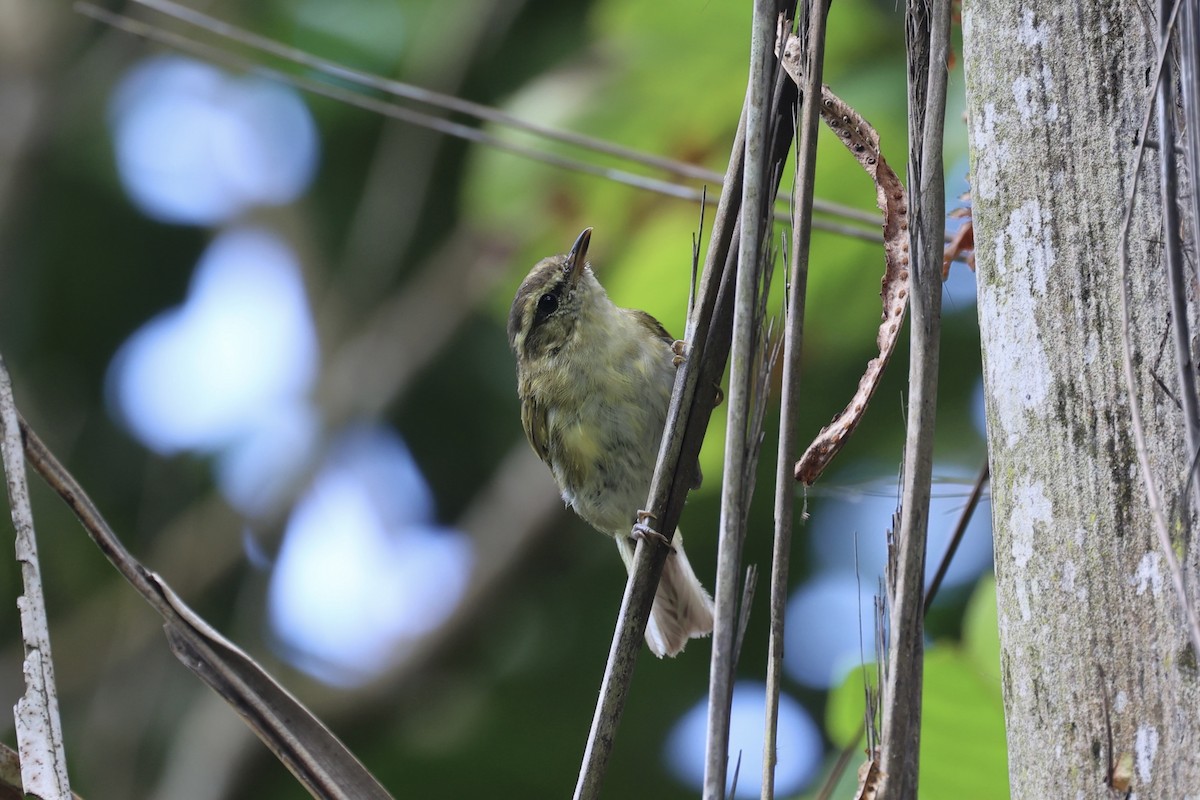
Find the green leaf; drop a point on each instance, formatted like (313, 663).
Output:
(981, 634)
(963, 752)
(963, 749)
(844, 713)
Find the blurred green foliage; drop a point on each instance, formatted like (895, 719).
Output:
(962, 717)
(504, 711)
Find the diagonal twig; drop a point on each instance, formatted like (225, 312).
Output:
(687, 421)
(956, 537)
(342, 75)
(305, 746)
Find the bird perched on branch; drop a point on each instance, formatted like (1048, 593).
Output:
(595, 381)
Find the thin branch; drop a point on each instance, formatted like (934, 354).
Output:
(459, 105)
(1153, 498)
(297, 738)
(411, 116)
(734, 501)
(785, 490)
(1177, 282)
(928, 39)
(749, 585)
(38, 725)
(687, 421)
(956, 537)
(1189, 90)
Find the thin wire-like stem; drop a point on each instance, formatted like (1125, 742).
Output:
(1153, 498)
(466, 132)
(785, 488)
(38, 724)
(742, 374)
(387, 109)
(928, 39)
(1189, 92)
(960, 529)
(1177, 282)
(459, 105)
(956, 537)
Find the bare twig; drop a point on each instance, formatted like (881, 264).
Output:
(1153, 498)
(1177, 282)
(742, 372)
(448, 102)
(748, 587)
(39, 727)
(304, 745)
(956, 537)
(785, 490)
(1189, 91)
(687, 420)
(928, 39)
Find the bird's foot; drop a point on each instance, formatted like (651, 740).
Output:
(679, 348)
(641, 530)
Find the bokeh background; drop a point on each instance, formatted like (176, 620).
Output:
(265, 329)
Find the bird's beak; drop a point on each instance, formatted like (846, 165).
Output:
(577, 258)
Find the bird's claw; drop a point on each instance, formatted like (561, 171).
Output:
(641, 530)
(679, 348)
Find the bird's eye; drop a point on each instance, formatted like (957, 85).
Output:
(547, 305)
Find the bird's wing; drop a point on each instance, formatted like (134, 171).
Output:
(656, 327)
(533, 419)
(650, 324)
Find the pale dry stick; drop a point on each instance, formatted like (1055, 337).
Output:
(785, 492)
(927, 24)
(1153, 498)
(413, 117)
(457, 104)
(863, 143)
(734, 503)
(10, 774)
(39, 726)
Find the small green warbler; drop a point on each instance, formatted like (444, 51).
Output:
(595, 381)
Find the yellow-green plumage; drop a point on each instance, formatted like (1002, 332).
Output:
(595, 381)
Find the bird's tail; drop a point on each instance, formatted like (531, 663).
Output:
(682, 608)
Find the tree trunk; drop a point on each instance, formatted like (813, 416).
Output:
(1088, 616)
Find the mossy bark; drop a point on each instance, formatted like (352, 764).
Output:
(1088, 615)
